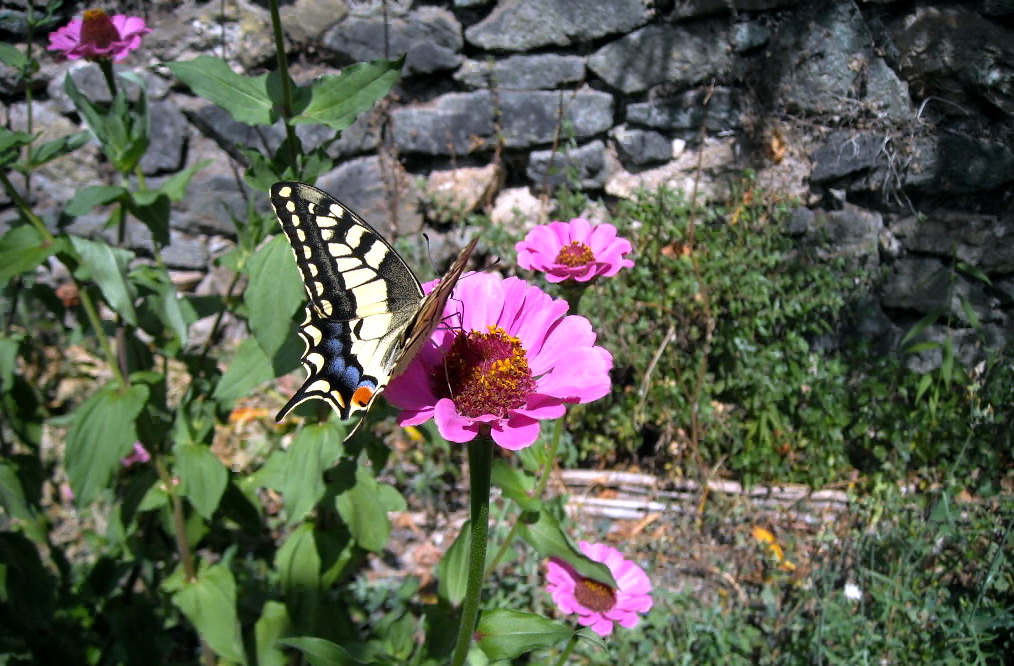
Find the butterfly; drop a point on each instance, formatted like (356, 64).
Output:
(367, 316)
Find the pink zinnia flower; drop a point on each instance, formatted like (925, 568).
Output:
(597, 604)
(574, 250)
(140, 455)
(512, 358)
(98, 36)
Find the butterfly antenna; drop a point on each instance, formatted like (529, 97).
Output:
(429, 253)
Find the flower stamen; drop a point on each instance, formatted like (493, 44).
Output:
(594, 595)
(485, 373)
(98, 29)
(575, 253)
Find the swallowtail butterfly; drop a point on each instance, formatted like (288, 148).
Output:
(367, 316)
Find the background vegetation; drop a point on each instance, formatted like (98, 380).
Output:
(731, 360)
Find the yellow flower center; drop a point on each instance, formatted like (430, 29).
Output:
(485, 373)
(575, 253)
(98, 29)
(594, 595)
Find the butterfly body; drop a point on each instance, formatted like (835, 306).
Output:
(367, 315)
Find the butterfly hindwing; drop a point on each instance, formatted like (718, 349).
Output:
(367, 315)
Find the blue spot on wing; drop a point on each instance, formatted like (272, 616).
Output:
(342, 372)
(340, 368)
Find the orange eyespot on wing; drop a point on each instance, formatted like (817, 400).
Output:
(362, 396)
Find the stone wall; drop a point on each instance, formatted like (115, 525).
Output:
(892, 123)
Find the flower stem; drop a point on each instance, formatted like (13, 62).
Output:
(572, 292)
(480, 469)
(571, 644)
(537, 492)
(25, 208)
(106, 65)
(182, 543)
(554, 446)
(107, 349)
(286, 84)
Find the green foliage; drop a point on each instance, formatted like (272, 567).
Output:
(715, 339)
(505, 634)
(934, 579)
(945, 423)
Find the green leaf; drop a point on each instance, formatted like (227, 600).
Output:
(361, 509)
(544, 534)
(390, 498)
(9, 139)
(84, 201)
(107, 266)
(203, 477)
(973, 272)
(515, 485)
(273, 624)
(174, 313)
(12, 496)
(273, 295)
(928, 320)
(25, 586)
(102, 432)
(947, 363)
(250, 368)
(336, 101)
(155, 498)
(210, 604)
(315, 449)
(246, 98)
(12, 56)
(320, 652)
(507, 634)
(122, 128)
(920, 347)
(23, 249)
(50, 150)
(298, 565)
(11, 144)
(973, 319)
(452, 570)
(152, 208)
(9, 347)
(175, 187)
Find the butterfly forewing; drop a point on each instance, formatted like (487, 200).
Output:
(348, 269)
(367, 316)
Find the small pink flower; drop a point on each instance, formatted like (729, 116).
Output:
(596, 604)
(98, 36)
(574, 250)
(512, 358)
(140, 455)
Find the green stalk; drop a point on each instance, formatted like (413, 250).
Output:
(286, 83)
(571, 644)
(142, 185)
(480, 470)
(106, 65)
(540, 488)
(107, 349)
(25, 208)
(572, 292)
(182, 544)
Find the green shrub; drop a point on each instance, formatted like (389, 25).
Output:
(719, 362)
